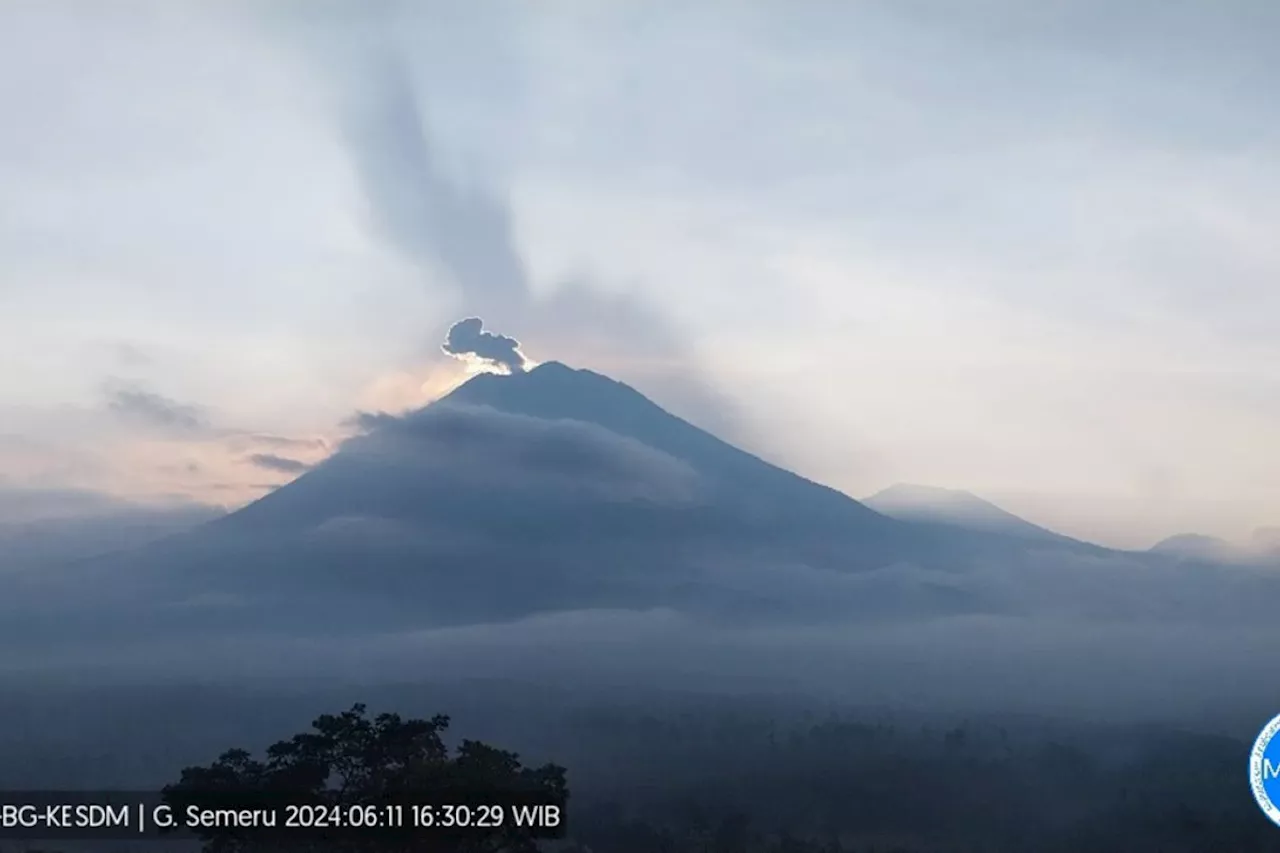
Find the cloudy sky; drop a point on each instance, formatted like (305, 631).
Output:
(1025, 249)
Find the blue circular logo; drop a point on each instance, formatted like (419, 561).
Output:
(1264, 770)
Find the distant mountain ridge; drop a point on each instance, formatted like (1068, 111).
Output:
(1264, 546)
(1267, 540)
(911, 502)
(1195, 545)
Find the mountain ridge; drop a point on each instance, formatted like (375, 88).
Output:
(553, 389)
(557, 393)
(956, 507)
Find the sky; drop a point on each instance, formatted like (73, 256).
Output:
(1021, 249)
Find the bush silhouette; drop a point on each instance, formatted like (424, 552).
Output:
(350, 760)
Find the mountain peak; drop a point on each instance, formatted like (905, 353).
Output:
(558, 371)
(555, 367)
(956, 507)
(556, 391)
(1195, 546)
(915, 494)
(542, 373)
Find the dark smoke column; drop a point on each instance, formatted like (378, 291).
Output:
(468, 340)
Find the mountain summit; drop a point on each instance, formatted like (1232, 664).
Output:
(1264, 547)
(555, 391)
(1196, 546)
(514, 441)
(910, 502)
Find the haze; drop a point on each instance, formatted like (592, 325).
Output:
(1020, 249)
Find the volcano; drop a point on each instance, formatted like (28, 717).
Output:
(548, 490)
(553, 418)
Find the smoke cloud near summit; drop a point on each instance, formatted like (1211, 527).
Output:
(439, 221)
(467, 339)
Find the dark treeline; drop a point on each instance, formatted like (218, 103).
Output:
(749, 775)
(725, 782)
(737, 785)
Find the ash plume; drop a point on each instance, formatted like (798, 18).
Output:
(437, 220)
(467, 339)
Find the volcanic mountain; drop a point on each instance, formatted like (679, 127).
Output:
(548, 490)
(563, 422)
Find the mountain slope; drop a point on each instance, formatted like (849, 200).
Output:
(909, 502)
(556, 489)
(555, 391)
(1196, 546)
(1263, 548)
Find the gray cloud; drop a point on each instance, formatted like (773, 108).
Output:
(468, 338)
(434, 219)
(483, 447)
(188, 467)
(288, 441)
(283, 464)
(243, 440)
(417, 206)
(131, 355)
(157, 410)
(241, 487)
(148, 408)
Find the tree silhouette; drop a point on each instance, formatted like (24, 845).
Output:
(350, 760)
